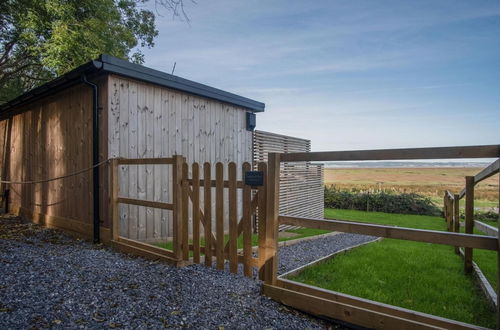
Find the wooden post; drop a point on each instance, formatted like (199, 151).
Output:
(177, 205)
(185, 212)
(233, 219)
(262, 219)
(207, 208)
(456, 218)
(273, 190)
(247, 223)
(445, 211)
(450, 214)
(196, 212)
(469, 219)
(219, 214)
(498, 266)
(115, 191)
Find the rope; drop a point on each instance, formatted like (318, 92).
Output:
(59, 177)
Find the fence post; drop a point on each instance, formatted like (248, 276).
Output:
(177, 205)
(185, 211)
(262, 220)
(273, 190)
(445, 211)
(456, 221)
(498, 264)
(469, 219)
(115, 216)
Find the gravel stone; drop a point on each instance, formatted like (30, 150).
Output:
(299, 254)
(48, 279)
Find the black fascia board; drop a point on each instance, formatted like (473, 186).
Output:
(114, 65)
(65, 81)
(124, 68)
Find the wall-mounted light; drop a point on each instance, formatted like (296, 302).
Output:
(251, 121)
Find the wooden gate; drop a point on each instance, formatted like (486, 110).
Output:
(226, 225)
(212, 216)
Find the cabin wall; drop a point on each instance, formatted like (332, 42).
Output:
(152, 121)
(52, 137)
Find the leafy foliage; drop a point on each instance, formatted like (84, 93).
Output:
(487, 216)
(379, 201)
(40, 39)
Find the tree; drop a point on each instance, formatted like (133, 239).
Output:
(41, 39)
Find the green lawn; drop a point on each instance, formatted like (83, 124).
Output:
(419, 276)
(300, 233)
(391, 219)
(486, 260)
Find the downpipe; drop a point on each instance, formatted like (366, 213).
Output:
(95, 159)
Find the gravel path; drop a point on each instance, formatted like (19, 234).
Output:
(50, 280)
(296, 255)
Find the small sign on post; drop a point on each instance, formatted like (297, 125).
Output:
(254, 178)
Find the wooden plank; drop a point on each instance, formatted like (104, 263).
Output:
(133, 152)
(207, 206)
(247, 225)
(417, 235)
(147, 247)
(129, 249)
(233, 219)
(149, 153)
(141, 153)
(140, 202)
(115, 214)
(272, 213)
(177, 202)
(491, 170)
(262, 219)
(202, 220)
(124, 135)
(456, 218)
(219, 215)
(253, 208)
(469, 220)
(185, 214)
(482, 151)
(146, 161)
(403, 313)
(212, 183)
(333, 309)
(196, 212)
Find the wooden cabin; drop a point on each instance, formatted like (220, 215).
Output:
(50, 132)
(110, 108)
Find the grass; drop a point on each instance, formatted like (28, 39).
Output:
(299, 233)
(391, 219)
(419, 276)
(486, 261)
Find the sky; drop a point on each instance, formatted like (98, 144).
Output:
(348, 74)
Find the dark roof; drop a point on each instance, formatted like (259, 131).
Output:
(111, 64)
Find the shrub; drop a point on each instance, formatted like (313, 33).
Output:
(380, 201)
(482, 215)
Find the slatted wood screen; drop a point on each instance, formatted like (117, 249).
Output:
(301, 183)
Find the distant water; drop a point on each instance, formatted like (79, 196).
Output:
(403, 164)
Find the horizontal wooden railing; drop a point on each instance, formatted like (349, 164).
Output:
(489, 171)
(145, 161)
(409, 234)
(486, 151)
